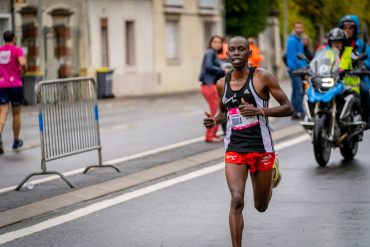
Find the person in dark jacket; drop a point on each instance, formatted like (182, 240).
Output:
(293, 47)
(350, 24)
(210, 73)
(306, 46)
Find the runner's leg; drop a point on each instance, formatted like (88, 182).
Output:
(16, 121)
(262, 189)
(3, 113)
(236, 176)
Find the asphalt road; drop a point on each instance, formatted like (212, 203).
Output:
(312, 206)
(127, 127)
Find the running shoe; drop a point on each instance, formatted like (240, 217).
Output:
(277, 174)
(1, 146)
(17, 144)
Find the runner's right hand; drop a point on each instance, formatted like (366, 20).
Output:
(209, 122)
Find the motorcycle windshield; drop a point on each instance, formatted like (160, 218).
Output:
(325, 62)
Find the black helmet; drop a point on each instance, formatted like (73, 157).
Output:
(346, 20)
(337, 34)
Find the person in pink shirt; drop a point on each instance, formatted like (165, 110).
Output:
(12, 64)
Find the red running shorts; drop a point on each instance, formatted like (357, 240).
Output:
(255, 161)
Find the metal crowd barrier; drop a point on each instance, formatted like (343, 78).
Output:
(68, 122)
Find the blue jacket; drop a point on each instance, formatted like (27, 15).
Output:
(360, 45)
(211, 68)
(293, 47)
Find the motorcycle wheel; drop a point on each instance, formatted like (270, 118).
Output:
(321, 144)
(349, 150)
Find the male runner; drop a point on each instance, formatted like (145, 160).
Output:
(243, 99)
(12, 64)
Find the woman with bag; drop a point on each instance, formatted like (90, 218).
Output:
(211, 72)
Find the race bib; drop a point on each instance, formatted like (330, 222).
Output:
(239, 122)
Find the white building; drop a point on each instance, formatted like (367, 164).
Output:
(153, 46)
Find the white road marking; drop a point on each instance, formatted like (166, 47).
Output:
(10, 236)
(146, 153)
(7, 237)
(112, 162)
(292, 142)
(120, 127)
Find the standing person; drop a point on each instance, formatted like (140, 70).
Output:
(243, 97)
(293, 47)
(256, 57)
(223, 57)
(12, 64)
(306, 46)
(210, 73)
(350, 24)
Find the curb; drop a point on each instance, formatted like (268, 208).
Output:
(119, 184)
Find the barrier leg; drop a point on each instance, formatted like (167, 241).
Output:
(44, 173)
(102, 166)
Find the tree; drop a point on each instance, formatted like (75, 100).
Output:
(325, 12)
(246, 18)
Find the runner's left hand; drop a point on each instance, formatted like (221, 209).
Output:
(247, 110)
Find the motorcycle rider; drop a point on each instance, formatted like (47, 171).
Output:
(338, 39)
(350, 24)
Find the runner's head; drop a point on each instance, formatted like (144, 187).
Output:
(9, 36)
(238, 52)
(337, 38)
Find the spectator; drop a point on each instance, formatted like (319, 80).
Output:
(210, 73)
(293, 47)
(224, 64)
(12, 64)
(256, 55)
(306, 46)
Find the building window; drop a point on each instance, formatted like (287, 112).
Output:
(172, 40)
(104, 42)
(210, 29)
(177, 3)
(209, 4)
(20, 3)
(130, 43)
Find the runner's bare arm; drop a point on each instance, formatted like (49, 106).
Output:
(211, 121)
(272, 85)
(266, 83)
(221, 116)
(23, 64)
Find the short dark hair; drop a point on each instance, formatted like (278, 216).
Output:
(210, 42)
(8, 36)
(241, 37)
(297, 22)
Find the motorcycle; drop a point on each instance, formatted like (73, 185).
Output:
(331, 118)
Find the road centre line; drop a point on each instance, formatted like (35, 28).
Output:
(112, 162)
(10, 236)
(141, 155)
